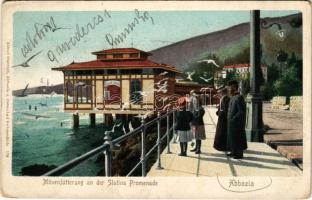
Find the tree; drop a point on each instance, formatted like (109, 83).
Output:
(240, 58)
(290, 83)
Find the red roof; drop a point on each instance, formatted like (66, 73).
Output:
(120, 50)
(121, 64)
(239, 66)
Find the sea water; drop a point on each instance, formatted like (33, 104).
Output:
(49, 139)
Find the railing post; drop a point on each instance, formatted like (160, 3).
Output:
(168, 134)
(158, 142)
(108, 154)
(143, 147)
(173, 125)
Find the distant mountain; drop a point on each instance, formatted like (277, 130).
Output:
(41, 90)
(224, 43)
(229, 42)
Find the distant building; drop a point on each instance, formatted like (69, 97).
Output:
(119, 81)
(243, 70)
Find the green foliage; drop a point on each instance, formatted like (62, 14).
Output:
(284, 78)
(284, 82)
(240, 58)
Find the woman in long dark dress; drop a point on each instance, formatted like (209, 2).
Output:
(220, 141)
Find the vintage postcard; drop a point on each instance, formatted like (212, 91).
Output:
(156, 99)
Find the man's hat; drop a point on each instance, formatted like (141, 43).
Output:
(233, 82)
(182, 101)
(192, 92)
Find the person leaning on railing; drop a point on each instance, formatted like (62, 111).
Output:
(183, 128)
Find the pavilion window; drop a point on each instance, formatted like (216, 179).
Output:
(134, 55)
(100, 57)
(135, 71)
(118, 55)
(148, 71)
(135, 89)
(124, 71)
(99, 72)
(68, 73)
(69, 92)
(111, 71)
(84, 91)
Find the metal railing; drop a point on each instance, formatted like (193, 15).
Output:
(109, 145)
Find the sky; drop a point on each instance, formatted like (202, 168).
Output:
(159, 29)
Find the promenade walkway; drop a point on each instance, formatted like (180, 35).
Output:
(259, 159)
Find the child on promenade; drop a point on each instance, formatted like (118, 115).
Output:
(183, 128)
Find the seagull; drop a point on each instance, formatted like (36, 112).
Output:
(209, 61)
(159, 82)
(163, 73)
(124, 130)
(43, 104)
(206, 80)
(220, 87)
(53, 29)
(142, 93)
(36, 116)
(130, 126)
(162, 84)
(79, 84)
(167, 106)
(25, 64)
(162, 88)
(96, 108)
(116, 125)
(141, 116)
(189, 75)
(165, 99)
(85, 86)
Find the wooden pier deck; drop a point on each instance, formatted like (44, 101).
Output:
(259, 159)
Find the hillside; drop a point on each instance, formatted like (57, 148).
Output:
(224, 44)
(229, 42)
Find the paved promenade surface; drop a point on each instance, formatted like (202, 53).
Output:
(285, 132)
(259, 159)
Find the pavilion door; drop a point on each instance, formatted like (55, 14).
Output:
(112, 92)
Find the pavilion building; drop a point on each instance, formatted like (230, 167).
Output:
(119, 81)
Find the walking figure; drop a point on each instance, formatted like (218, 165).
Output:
(193, 102)
(236, 122)
(220, 141)
(183, 128)
(198, 128)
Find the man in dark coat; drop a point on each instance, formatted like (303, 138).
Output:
(236, 122)
(220, 140)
